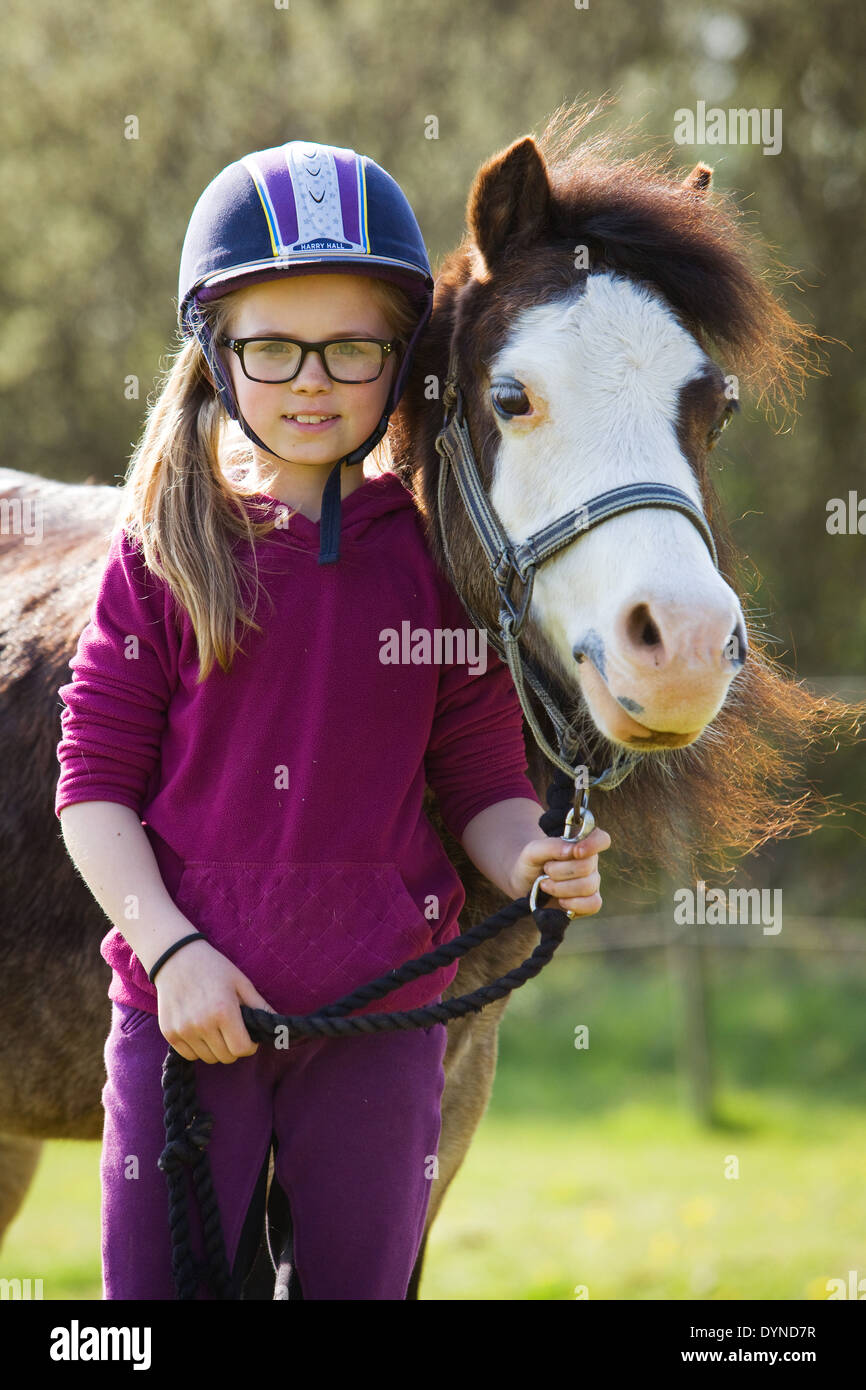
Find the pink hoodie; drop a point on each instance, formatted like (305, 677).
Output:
(283, 801)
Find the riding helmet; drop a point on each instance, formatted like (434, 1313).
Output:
(302, 208)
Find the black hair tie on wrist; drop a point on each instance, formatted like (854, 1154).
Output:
(194, 936)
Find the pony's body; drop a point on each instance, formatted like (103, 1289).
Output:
(634, 625)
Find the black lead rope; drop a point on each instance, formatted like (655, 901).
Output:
(188, 1129)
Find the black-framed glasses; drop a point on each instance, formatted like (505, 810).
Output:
(346, 360)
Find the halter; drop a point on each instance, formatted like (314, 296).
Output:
(507, 560)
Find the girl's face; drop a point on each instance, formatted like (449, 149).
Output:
(312, 308)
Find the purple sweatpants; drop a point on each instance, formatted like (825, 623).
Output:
(356, 1122)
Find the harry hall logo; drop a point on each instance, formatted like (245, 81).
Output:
(425, 646)
(737, 126)
(322, 244)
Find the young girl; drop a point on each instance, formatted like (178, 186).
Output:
(248, 813)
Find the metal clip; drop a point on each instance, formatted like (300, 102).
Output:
(587, 820)
(586, 827)
(519, 614)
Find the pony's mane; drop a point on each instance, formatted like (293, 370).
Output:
(695, 810)
(697, 250)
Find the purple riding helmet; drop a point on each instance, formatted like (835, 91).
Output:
(296, 209)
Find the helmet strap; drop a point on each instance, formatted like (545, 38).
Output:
(331, 513)
(329, 522)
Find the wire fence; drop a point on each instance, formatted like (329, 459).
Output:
(652, 930)
(688, 948)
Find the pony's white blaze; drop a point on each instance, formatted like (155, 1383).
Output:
(639, 596)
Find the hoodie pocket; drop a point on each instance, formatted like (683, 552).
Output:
(130, 1019)
(304, 934)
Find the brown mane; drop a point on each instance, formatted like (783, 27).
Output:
(694, 811)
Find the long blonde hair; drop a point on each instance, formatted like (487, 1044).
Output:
(181, 507)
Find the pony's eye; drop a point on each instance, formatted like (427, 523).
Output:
(722, 424)
(508, 397)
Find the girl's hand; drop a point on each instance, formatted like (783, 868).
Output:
(573, 877)
(200, 993)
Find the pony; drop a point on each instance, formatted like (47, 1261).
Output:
(581, 309)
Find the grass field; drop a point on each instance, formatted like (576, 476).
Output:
(589, 1172)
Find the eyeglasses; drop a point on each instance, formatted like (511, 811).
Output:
(345, 360)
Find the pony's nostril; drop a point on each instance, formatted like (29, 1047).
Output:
(641, 629)
(737, 646)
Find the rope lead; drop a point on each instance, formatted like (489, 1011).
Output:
(188, 1130)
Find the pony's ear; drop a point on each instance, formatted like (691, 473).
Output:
(699, 180)
(509, 201)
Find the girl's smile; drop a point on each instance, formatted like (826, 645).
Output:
(309, 423)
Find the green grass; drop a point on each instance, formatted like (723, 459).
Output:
(55, 1237)
(639, 1208)
(589, 1169)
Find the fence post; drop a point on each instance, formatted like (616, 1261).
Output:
(689, 967)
